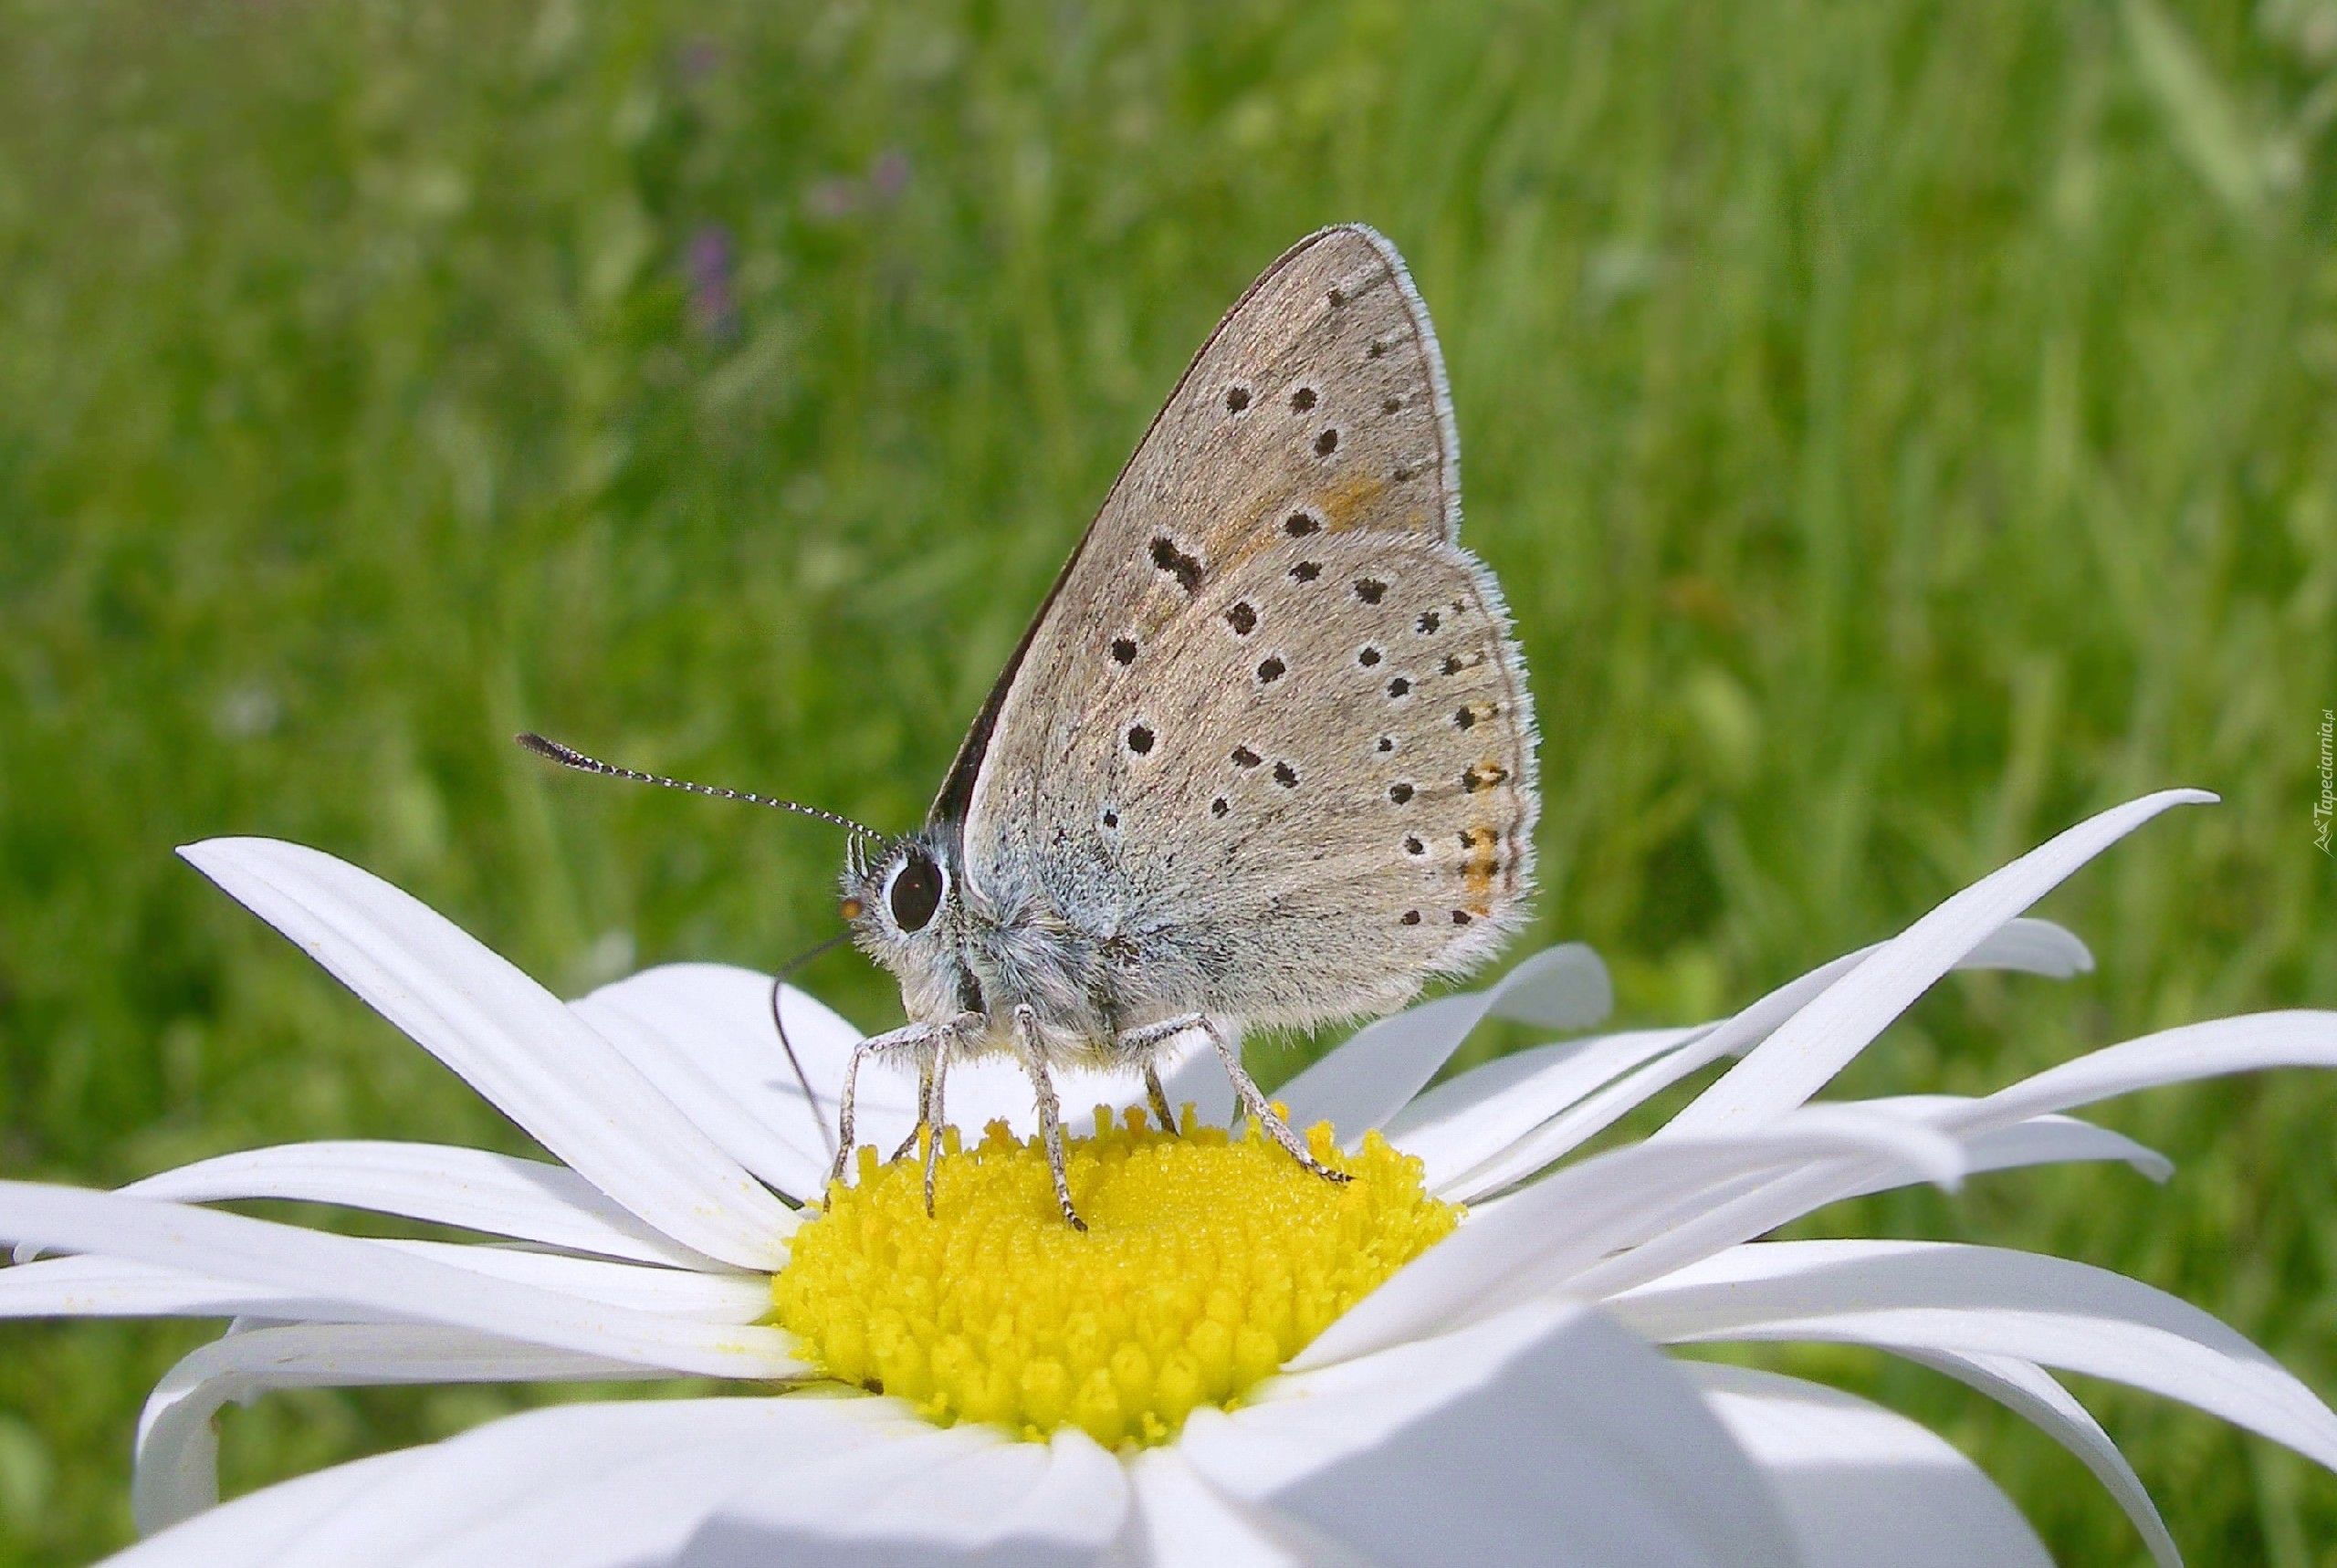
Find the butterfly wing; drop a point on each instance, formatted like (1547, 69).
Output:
(1270, 735)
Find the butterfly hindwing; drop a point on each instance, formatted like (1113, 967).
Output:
(1269, 673)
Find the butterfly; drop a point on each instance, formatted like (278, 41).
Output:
(1266, 756)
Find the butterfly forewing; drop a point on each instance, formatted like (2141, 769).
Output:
(1270, 734)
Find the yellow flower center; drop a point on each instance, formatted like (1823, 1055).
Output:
(1208, 1262)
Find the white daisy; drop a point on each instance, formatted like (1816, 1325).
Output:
(1495, 1399)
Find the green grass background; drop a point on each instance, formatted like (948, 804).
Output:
(1900, 428)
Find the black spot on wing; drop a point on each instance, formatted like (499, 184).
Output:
(1184, 568)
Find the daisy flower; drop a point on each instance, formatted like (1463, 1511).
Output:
(1456, 1357)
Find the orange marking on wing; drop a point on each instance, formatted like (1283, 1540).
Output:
(1350, 503)
(1488, 772)
(1479, 866)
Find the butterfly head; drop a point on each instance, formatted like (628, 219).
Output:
(901, 900)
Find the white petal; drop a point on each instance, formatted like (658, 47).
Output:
(1566, 986)
(733, 1480)
(2249, 1043)
(379, 1279)
(1984, 1300)
(2035, 947)
(789, 1480)
(256, 1529)
(2194, 1051)
(117, 1288)
(1544, 1435)
(704, 1034)
(1641, 1241)
(723, 1297)
(582, 1485)
(607, 1486)
(1863, 1486)
(1465, 1122)
(511, 1040)
(1368, 1077)
(1537, 1241)
(97, 1286)
(612, 1484)
(2029, 1391)
(2039, 1141)
(2057, 1140)
(532, 1200)
(1182, 1521)
(994, 1088)
(178, 1450)
(1561, 987)
(1196, 1078)
(1362, 1084)
(1800, 1058)
(1725, 1217)
(981, 1497)
(1518, 1079)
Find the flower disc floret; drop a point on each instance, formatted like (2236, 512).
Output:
(1209, 1261)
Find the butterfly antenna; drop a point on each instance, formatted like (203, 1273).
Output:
(569, 756)
(778, 1017)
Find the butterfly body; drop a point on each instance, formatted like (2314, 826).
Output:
(1264, 757)
(988, 951)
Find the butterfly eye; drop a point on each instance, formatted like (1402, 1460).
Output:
(914, 891)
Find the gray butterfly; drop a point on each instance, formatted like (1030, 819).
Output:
(1264, 757)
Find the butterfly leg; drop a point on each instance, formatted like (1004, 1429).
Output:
(1143, 1042)
(925, 1071)
(932, 1080)
(1255, 1102)
(925, 1038)
(1026, 1046)
(1160, 1096)
(936, 1118)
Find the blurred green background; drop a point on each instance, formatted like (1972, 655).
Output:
(1900, 428)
